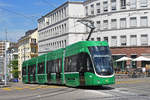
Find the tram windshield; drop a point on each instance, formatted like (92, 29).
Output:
(102, 60)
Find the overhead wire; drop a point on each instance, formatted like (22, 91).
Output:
(16, 13)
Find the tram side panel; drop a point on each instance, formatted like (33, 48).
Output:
(41, 70)
(54, 67)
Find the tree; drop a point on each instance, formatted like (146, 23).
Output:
(14, 65)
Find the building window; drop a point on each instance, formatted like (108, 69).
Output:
(143, 3)
(113, 5)
(105, 24)
(92, 9)
(87, 29)
(133, 22)
(92, 39)
(123, 4)
(144, 39)
(106, 39)
(132, 4)
(144, 21)
(65, 12)
(113, 23)
(133, 40)
(33, 50)
(98, 8)
(33, 41)
(98, 39)
(98, 25)
(86, 9)
(114, 41)
(123, 23)
(123, 40)
(105, 5)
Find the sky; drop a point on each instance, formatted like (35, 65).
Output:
(19, 16)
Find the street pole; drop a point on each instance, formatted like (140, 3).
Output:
(5, 62)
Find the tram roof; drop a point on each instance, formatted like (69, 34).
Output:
(89, 43)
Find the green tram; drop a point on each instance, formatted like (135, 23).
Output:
(85, 63)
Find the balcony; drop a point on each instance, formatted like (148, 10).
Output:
(32, 44)
(32, 54)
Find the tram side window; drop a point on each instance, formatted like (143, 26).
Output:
(24, 71)
(56, 66)
(49, 66)
(73, 64)
(89, 64)
(68, 62)
(41, 68)
(60, 65)
(78, 63)
(81, 63)
(84, 63)
(33, 69)
(53, 70)
(29, 69)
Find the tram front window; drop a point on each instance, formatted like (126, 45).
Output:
(102, 60)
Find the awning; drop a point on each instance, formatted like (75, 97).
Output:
(124, 59)
(141, 58)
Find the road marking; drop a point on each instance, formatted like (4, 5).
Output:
(7, 89)
(18, 88)
(32, 88)
(131, 81)
(26, 87)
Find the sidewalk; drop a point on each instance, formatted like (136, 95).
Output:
(16, 84)
(132, 80)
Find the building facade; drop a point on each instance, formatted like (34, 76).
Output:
(125, 24)
(60, 27)
(27, 48)
(12, 54)
(4, 45)
(120, 22)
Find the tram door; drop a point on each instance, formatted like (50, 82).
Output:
(81, 68)
(29, 74)
(34, 70)
(49, 70)
(82, 80)
(49, 65)
(58, 71)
